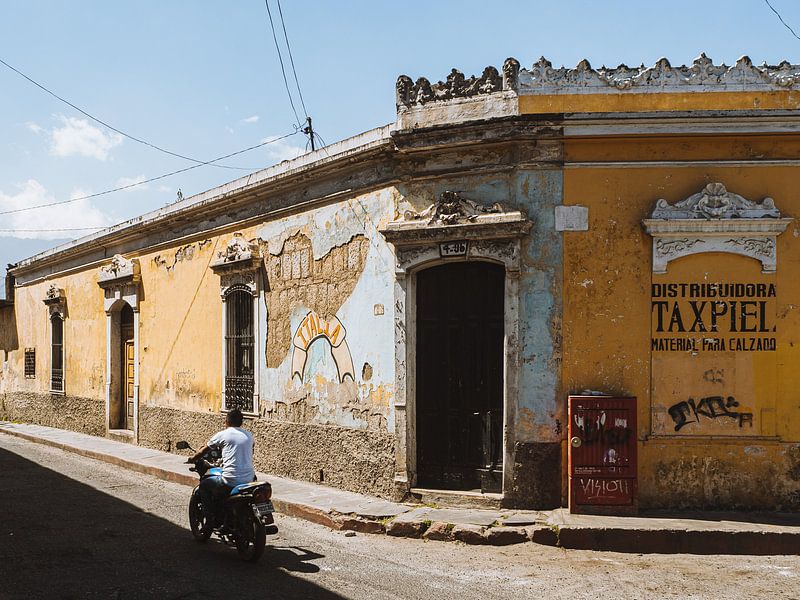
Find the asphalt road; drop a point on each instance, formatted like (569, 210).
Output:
(72, 527)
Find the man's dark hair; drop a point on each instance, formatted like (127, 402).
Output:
(235, 418)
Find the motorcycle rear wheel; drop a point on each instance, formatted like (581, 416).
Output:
(198, 522)
(251, 538)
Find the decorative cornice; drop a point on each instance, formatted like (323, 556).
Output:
(54, 295)
(715, 220)
(238, 255)
(543, 78)
(119, 271)
(454, 216)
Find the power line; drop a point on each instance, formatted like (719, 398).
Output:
(291, 59)
(111, 127)
(785, 24)
(131, 185)
(283, 69)
(50, 230)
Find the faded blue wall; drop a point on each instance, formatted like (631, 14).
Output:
(538, 192)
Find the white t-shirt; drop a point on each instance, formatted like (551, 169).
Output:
(237, 455)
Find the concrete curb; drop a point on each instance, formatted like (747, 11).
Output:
(577, 537)
(185, 479)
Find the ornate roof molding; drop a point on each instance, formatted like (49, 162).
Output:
(701, 75)
(715, 220)
(119, 270)
(409, 93)
(542, 78)
(453, 216)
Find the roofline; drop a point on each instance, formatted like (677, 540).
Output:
(345, 149)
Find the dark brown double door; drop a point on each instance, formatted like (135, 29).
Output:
(459, 377)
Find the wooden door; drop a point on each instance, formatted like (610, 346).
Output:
(128, 388)
(459, 384)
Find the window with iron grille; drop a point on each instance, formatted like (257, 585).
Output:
(239, 351)
(30, 363)
(57, 353)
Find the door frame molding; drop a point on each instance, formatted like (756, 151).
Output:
(121, 284)
(503, 248)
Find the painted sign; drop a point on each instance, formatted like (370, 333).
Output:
(713, 317)
(312, 328)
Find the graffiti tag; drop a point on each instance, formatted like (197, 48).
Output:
(593, 430)
(711, 407)
(599, 490)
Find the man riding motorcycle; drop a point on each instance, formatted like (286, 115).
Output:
(236, 445)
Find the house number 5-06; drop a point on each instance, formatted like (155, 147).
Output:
(453, 248)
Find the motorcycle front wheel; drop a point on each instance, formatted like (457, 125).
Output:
(198, 522)
(251, 538)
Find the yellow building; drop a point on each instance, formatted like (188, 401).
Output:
(406, 312)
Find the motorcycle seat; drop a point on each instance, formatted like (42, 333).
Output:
(242, 487)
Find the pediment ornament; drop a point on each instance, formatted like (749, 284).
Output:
(452, 209)
(715, 220)
(236, 250)
(119, 268)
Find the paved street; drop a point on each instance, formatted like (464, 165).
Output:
(72, 527)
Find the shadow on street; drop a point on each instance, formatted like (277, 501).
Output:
(62, 539)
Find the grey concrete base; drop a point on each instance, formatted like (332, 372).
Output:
(74, 413)
(356, 460)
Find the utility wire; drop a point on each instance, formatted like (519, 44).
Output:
(291, 59)
(283, 69)
(50, 230)
(785, 24)
(125, 187)
(111, 127)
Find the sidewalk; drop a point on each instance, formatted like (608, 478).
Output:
(695, 533)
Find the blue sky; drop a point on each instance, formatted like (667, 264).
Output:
(202, 79)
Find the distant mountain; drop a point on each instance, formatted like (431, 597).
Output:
(15, 249)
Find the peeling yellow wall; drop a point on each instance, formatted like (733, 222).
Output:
(181, 325)
(608, 320)
(84, 338)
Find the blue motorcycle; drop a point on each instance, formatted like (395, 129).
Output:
(243, 518)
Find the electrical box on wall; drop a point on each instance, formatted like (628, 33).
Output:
(602, 455)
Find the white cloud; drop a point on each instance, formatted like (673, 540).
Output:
(81, 138)
(132, 181)
(164, 188)
(253, 119)
(81, 213)
(282, 149)
(34, 127)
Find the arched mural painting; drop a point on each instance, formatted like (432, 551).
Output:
(313, 327)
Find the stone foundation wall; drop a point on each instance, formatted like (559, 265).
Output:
(73, 413)
(537, 476)
(351, 459)
(694, 476)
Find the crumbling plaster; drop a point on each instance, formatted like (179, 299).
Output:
(332, 262)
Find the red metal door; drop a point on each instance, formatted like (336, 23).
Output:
(602, 454)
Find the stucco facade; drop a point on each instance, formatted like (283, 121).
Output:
(552, 175)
